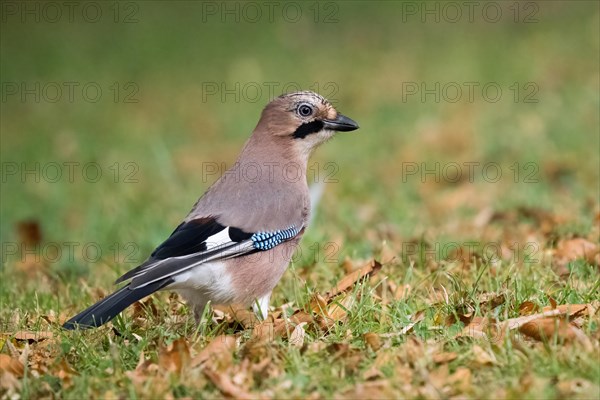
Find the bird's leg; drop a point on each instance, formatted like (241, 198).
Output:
(261, 307)
(198, 311)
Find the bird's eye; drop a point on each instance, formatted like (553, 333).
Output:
(305, 110)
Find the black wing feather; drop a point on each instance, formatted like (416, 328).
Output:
(110, 306)
(188, 238)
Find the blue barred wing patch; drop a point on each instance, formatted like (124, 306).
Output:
(268, 240)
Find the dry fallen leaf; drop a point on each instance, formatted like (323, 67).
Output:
(175, 357)
(415, 319)
(144, 371)
(11, 365)
(337, 309)
(444, 357)
(478, 328)
(528, 307)
(368, 390)
(142, 308)
(32, 336)
(571, 310)
(484, 328)
(352, 278)
(297, 337)
(32, 264)
(373, 340)
(238, 313)
(264, 331)
(460, 380)
(218, 354)
(402, 291)
(576, 248)
(577, 389)
(224, 383)
(56, 319)
(29, 233)
(544, 329)
(483, 357)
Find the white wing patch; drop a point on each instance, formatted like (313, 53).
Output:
(218, 239)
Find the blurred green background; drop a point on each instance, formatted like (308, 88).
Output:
(168, 56)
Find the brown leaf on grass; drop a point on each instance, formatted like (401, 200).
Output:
(218, 354)
(464, 255)
(29, 233)
(175, 357)
(31, 337)
(460, 380)
(56, 319)
(388, 254)
(415, 319)
(337, 310)
(442, 384)
(318, 303)
(297, 336)
(483, 217)
(338, 350)
(568, 310)
(142, 308)
(9, 383)
(352, 278)
(484, 328)
(31, 264)
(144, 369)
(491, 300)
(545, 220)
(568, 250)
(528, 308)
(478, 328)
(239, 313)
(373, 341)
(545, 329)
(38, 358)
(572, 310)
(482, 357)
(224, 383)
(11, 365)
(300, 316)
(65, 373)
(466, 311)
(264, 331)
(348, 265)
(143, 365)
(577, 389)
(412, 351)
(283, 328)
(399, 291)
(369, 390)
(384, 358)
(444, 357)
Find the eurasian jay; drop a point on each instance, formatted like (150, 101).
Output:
(236, 242)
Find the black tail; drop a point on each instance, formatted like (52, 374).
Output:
(110, 306)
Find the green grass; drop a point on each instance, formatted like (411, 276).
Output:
(372, 210)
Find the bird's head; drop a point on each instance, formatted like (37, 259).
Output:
(304, 119)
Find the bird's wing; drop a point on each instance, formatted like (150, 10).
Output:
(199, 241)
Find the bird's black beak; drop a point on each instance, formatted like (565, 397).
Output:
(341, 123)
